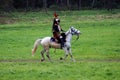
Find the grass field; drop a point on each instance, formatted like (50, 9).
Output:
(97, 52)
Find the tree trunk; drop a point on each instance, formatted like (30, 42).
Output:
(61, 4)
(27, 5)
(68, 4)
(79, 4)
(93, 3)
(45, 5)
(110, 4)
(33, 4)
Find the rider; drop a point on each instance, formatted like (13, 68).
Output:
(56, 29)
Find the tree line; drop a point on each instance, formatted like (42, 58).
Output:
(10, 5)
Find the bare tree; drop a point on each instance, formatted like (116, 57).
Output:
(79, 4)
(27, 4)
(109, 4)
(33, 3)
(60, 4)
(45, 5)
(6, 5)
(94, 2)
(68, 4)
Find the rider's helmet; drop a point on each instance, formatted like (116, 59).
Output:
(56, 19)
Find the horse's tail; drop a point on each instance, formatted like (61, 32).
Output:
(37, 42)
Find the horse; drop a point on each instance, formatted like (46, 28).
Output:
(47, 44)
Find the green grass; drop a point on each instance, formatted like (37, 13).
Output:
(60, 70)
(97, 52)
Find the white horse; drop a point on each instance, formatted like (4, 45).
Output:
(47, 44)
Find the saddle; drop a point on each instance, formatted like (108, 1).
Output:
(62, 38)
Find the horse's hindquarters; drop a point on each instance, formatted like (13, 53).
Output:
(55, 45)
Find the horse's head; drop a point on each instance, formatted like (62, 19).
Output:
(74, 31)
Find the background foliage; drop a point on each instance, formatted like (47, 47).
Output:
(10, 5)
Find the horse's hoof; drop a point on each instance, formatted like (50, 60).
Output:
(61, 58)
(32, 55)
(42, 60)
(73, 60)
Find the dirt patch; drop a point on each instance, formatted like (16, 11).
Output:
(98, 60)
(77, 60)
(20, 60)
(7, 20)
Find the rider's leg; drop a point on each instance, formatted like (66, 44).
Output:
(60, 40)
(62, 43)
(58, 36)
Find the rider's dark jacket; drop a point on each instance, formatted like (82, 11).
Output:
(56, 28)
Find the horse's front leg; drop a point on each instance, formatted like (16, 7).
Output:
(66, 54)
(70, 53)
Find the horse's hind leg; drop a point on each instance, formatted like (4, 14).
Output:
(47, 54)
(42, 54)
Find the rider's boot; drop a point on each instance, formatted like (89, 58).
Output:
(62, 43)
(60, 40)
